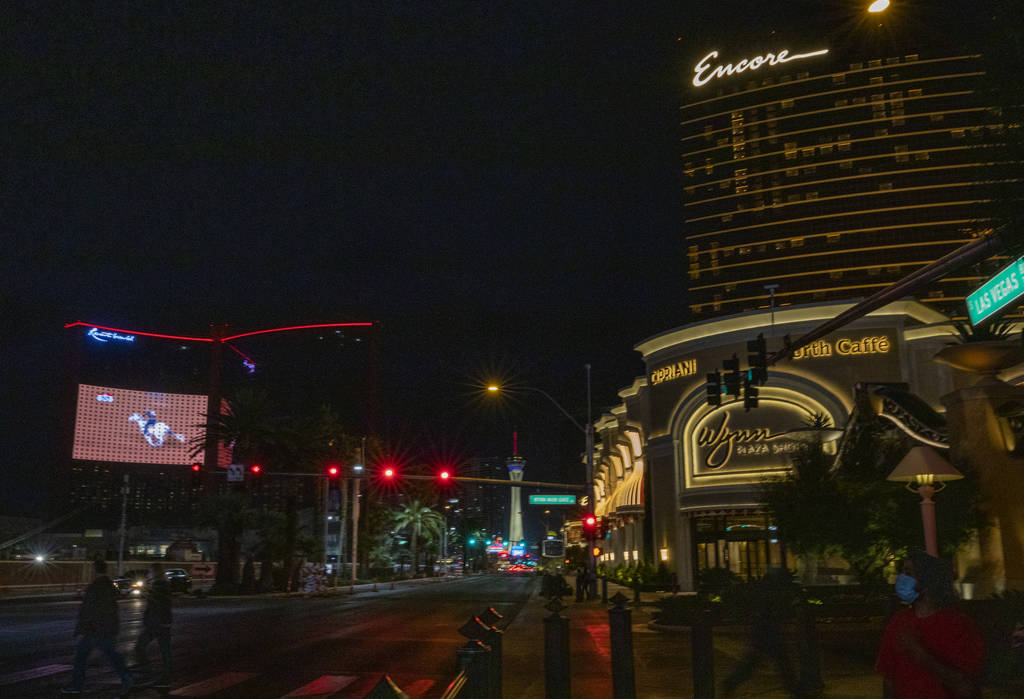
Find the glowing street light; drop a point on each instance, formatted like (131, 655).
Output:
(878, 6)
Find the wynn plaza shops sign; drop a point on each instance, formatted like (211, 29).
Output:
(731, 440)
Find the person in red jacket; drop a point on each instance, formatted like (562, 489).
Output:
(930, 649)
(97, 625)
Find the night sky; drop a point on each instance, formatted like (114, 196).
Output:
(496, 182)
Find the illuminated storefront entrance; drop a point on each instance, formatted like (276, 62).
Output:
(746, 545)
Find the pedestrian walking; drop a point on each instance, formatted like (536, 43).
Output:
(930, 649)
(581, 583)
(767, 640)
(156, 625)
(97, 626)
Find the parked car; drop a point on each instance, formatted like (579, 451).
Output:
(179, 579)
(133, 582)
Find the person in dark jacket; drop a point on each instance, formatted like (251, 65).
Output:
(156, 624)
(97, 625)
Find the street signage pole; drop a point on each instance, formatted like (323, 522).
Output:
(998, 294)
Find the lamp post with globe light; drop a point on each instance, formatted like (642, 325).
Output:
(588, 431)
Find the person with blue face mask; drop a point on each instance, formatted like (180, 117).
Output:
(930, 648)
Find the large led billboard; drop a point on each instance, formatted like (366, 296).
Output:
(116, 424)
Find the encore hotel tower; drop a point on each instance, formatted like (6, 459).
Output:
(834, 162)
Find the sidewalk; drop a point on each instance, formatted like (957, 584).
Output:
(662, 661)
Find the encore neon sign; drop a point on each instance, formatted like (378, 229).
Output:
(705, 73)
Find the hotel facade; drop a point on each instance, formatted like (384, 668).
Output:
(813, 177)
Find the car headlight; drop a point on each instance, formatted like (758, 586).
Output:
(139, 583)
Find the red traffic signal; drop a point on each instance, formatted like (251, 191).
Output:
(256, 469)
(388, 472)
(589, 525)
(333, 471)
(196, 468)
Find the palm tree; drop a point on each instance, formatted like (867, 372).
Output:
(421, 519)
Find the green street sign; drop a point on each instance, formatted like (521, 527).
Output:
(997, 294)
(552, 499)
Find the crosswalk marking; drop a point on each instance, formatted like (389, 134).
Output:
(323, 686)
(33, 674)
(214, 684)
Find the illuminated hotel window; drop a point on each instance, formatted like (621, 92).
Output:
(807, 152)
(839, 78)
(832, 237)
(812, 195)
(881, 132)
(875, 63)
(796, 242)
(835, 274)
(858, 100)
(793, 197)
(826, 148)
(876, 79)
(957, 133)
(792, 172)
(790, 149)
(856, 66)
(901, 153)
(841, 103)
(911, 57)
(874, 271)
(924, 155)
(936, 117)
(915, 92)
(890, 61)
(787, 103)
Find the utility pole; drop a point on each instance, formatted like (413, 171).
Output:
(358, 468)
(591, 502)
(124, 521)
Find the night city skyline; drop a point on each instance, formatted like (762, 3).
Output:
(499, 186)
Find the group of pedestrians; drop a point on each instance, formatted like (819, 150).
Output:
(98, 625)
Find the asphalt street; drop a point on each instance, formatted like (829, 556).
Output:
(276, 646)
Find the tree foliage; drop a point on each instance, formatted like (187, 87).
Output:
(845, 506)
(422, 521)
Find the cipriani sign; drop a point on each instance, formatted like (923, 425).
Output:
(705, 72)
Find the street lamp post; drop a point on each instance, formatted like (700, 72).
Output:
(588, 431)
(925, 467)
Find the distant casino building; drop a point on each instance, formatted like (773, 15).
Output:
(832, 172)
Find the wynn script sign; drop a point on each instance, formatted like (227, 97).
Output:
(729, 439)
(705, 73)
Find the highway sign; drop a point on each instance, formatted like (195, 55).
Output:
(550, 499)
(998, 294)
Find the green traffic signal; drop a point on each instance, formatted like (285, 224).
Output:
(471, 542)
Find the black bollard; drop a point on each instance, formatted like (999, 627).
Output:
(493, 639)
(620, 627)
(490, 616)
(557, 684)
(810, 653)
(474, 659)
(703, 655)
(604, 590)
(385, 689)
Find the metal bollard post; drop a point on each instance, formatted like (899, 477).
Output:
(557, 682)
(493, 639)
(620, 627)
(474, 659)
(703, 656)
(810, 653)
(490, 616)
(604, 590)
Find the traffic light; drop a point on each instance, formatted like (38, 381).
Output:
(732, 378)
(590, 526)
(333, 472)
(749, 394)
(597, 551)
(714, 388)
(197, 475)
(256, 470)
(757, 359)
